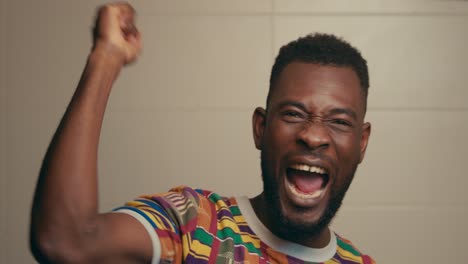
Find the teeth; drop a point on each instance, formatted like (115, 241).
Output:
(304, 167)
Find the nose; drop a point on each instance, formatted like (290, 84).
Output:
(314, 135)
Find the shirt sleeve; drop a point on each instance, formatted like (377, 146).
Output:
(156, 244)
(166, 217)
(368, 260)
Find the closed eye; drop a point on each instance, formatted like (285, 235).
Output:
(341, 122)
(293, 116)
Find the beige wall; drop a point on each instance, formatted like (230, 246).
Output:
(181, 115)
(3, 139)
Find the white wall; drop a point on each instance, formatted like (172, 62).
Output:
(181, 115)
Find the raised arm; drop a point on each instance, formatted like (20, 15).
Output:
(65, 224)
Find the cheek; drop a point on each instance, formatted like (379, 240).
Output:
(348, 150)
(278, 141)
(280, 135)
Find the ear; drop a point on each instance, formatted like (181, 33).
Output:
(258, 126)
(366, 130)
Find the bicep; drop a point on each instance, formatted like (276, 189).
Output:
(121, 238)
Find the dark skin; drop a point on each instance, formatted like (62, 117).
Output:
(66, 226)
(315, 117)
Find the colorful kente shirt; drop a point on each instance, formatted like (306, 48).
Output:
(198, 226)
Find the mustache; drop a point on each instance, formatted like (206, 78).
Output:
(319, 155)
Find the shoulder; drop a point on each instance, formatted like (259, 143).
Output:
(186, 193)
(189, 201)
(347, 250)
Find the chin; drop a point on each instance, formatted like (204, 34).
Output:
(303, 221)
(290, 217)
(300, 217)
(295, 221)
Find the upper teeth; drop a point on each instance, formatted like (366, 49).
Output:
(304, 167)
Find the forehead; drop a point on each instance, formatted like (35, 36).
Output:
(319, 86)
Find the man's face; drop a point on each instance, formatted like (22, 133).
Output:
(312, 137)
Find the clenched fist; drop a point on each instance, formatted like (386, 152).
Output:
(115, 32)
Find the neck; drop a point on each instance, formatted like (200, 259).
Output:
(264, 213)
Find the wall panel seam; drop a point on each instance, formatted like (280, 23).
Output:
(59, 111)
(370, 14)
(3, 118)
(273, 32)
(407, 207)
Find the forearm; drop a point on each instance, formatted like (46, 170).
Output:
(65, 203)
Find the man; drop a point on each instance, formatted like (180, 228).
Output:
(312, 136)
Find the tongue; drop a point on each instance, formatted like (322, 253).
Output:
(306, 182)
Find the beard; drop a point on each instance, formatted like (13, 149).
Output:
(300, 227)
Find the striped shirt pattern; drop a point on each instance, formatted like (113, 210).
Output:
(199, 226)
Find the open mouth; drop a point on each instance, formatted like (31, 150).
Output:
(307, 182)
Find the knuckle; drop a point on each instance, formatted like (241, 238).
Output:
(105, 8)
(125, 7)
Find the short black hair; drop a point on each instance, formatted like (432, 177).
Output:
(322, 49)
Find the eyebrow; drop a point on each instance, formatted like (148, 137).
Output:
(292, 103)
(334, 111)
(346, 111)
